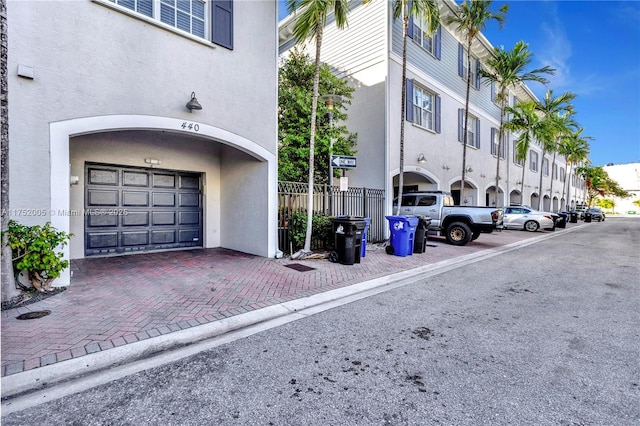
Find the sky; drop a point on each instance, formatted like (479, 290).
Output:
(595, 48)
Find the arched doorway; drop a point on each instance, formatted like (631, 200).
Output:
(546, 204)
(534, 200)
(420, 180)
(470, 196)
(490, 197)
(515, 198)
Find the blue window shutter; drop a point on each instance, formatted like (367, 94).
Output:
(438, 114)
(222, 23)
(409, 102)
(460, 60)
(478, 133)
(460, 125)
(478, 74)
(410, 28)
(493, 91)
(438, 42)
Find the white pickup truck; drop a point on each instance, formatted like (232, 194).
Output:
(459, 224)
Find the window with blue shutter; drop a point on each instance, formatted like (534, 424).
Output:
(438, 42)
(477, 138)
(222, 23)
(477, 74)
(410, 28)
(460, 125)
(438, 109)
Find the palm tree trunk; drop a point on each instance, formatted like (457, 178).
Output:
(540, 192)
(8, 284)
(466, 122)
(524, 168)
(405, 24)
(500, 131)
(553, 162)
(312, 139)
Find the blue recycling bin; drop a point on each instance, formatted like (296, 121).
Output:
(363, 247)
(403, 230)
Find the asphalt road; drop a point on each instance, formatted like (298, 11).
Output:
(548, 334)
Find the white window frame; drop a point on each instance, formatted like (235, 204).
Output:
(494, 144)
(515, 154)
(472, 125)
(428, 43)
(423, 108)
(533, 160)
(562, 173)
(465, 68)
(545, 166)
(156, 17)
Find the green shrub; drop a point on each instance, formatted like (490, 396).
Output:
(321, 233)
(33, 249)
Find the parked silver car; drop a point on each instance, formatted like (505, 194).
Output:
(522, 217)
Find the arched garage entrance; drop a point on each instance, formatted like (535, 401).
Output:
(238, 176)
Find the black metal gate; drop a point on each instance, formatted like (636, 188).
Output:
(330, 201)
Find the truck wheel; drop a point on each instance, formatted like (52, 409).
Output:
(475, 235)
(458, 234)
(531, 226)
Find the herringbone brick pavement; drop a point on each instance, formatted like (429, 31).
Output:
(115, 301)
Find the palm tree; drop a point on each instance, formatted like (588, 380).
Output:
(8, 284)
(557, 116)
(525, 119)
(575, 149)
(310, 24)
(470, 19)
(428, 11)
(508, 72)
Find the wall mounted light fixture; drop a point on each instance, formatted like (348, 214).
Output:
(469, 169)
(445, 167)
(421, 158)
(193, 103)
(152, 161)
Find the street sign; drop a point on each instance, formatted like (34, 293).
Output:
(343, 162)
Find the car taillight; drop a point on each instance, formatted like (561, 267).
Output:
(494, 215)
(548, 217)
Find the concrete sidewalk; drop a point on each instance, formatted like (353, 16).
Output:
(123, 308)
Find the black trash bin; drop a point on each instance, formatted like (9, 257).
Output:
(562, 220)
(420, 238)
(573, 217)
(587, 217)
(347, 231)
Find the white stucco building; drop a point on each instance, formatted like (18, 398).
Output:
(369, 55)
(628, 177)
(103, 145)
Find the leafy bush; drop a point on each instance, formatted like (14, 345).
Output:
(321, 233)
(33, 249)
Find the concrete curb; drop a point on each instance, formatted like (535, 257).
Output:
(44, 378)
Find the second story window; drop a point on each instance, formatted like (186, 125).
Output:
(463, 67)
(473, 129)
(187, 15)
(494, 143)
(423, 108)
(533, 160)
(545, 167)
(212, 19)
(515, 154)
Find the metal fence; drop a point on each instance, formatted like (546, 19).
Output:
(330, 201)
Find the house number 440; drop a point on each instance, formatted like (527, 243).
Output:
(190, 126)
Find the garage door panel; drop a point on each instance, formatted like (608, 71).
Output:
(164, 181)
(130, 178)
(189, 218)
(135, 199)
(189, 199)
(154, 209)
(137, 238)
(101, 176)
(164, 199)
(163, 218)
(189, 182)
(135, 219)
(102, 198)
(101, 240)
(163, 237)
(101, 220)
(188, 235)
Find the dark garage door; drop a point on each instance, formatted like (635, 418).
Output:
(134, 209)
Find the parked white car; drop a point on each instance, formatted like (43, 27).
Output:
(521, 217)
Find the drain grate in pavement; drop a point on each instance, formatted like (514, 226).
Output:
(33, 315)
(300, 268)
